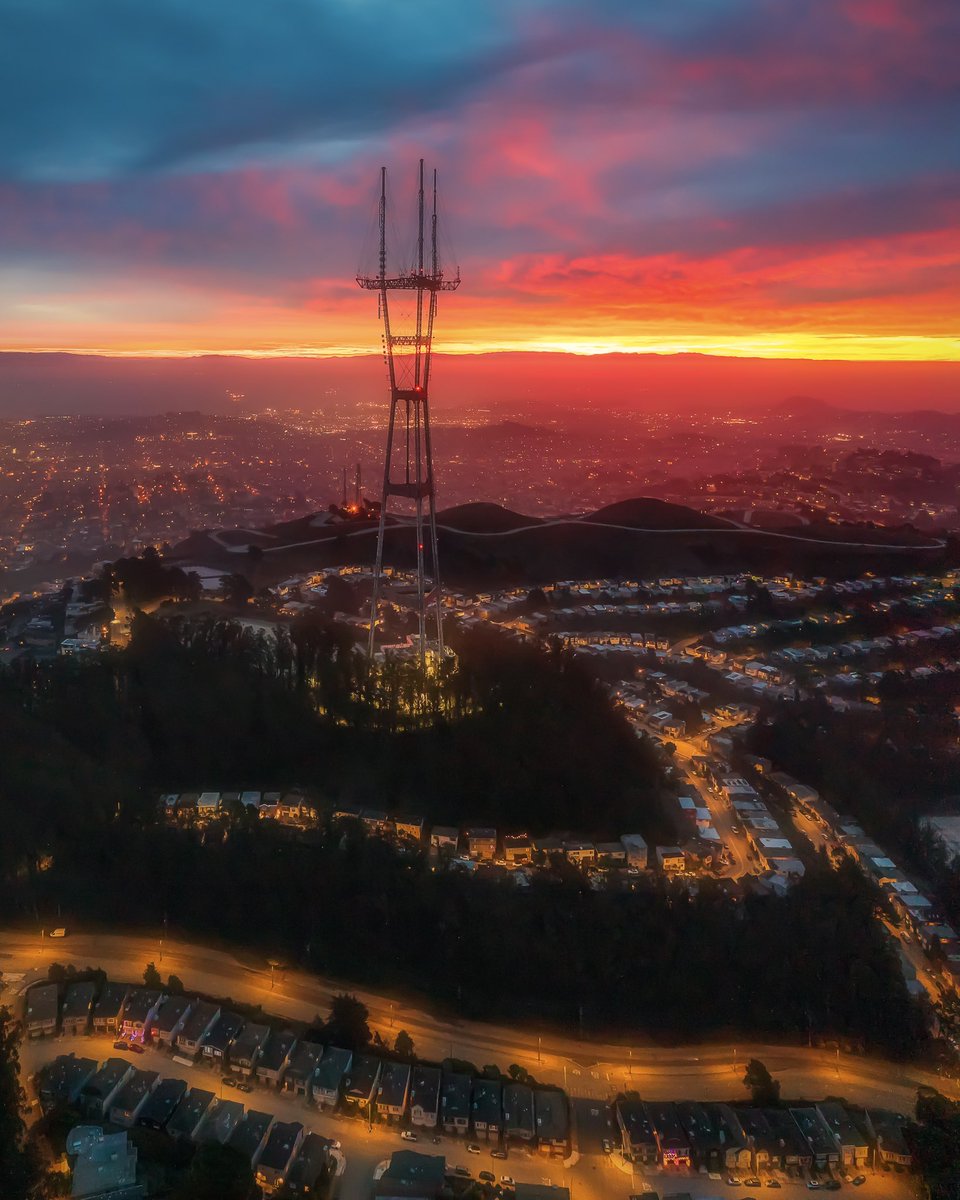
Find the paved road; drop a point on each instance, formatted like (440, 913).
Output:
(587, 1069)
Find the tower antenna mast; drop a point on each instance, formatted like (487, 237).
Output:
(408, 462)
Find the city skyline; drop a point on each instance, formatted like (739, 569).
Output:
(733, 179)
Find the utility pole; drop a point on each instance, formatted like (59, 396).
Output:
(408, 463)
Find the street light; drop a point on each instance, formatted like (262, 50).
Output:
(273, 964)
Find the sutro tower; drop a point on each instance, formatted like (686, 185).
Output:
(408, 467)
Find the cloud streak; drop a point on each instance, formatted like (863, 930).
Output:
(726, 173)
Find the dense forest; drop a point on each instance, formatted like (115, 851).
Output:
(521, 737)
(517, 736)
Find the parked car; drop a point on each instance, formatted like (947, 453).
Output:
(831, 1185)
(244, 1087)
(136, 1048)
(498, 1154)
(462, 1171)
(473, 1148)
(753, 1181)
(408, 1135)
(773, 1183)
(859, 1180)
(487, 1177)
(813, 1184)
(228, 1082)
(506, 1181)
(120, 1045)
(733, 1181)
(606, 1146)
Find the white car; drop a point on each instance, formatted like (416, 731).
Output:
(473, 1148)
(506, 1181)
(408, 1136)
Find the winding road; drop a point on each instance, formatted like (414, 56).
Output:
(591, 1069)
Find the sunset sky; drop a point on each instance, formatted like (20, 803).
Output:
(772, 178)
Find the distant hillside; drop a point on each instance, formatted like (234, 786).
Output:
(483, 518)
(648, 513)
(484, 545)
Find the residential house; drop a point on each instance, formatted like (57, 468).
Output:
(129, 1100)
(611, 854)
(41, 1011)
(202, 1018)
(360, 1084)
(394, 1089)
(481, 843)
(98, 1092)
(219, 1122)
(548, 847)
(671, 858)
(219, 1041)
(702, 1128)
(61, 1081)
(77, 1008)
(425, 1096)
(249, 1136)
(329, 1076)
(580, 853)
(106, 1167)
(487, 1107)
(140, 1010)
(410, 827)
(673, 1145)
(886, 1128)
(375, 821)
(854, 1147)
(445, 837)
(636, 850)
(275, 1057)
(190, 1113)
(517, 848)
(246, 1049)
(636, 1132)
(412, 1176)
(162, 1103)
(552, 1118)
(308, 1166)
(300, 1073)
(518, 1113)
(792, 1147)
(276, 1159)
(818, 1135)
(455, 1102)
(187, 808)
(171, 1018)
(735, 1152)
(208, 806)
(763, 1142)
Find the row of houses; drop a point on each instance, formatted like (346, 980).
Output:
(773, 848)
(326, 1076)
(281, 1153)
(475, 843)
(915, 910)
(723, 1137)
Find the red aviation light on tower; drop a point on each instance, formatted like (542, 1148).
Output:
(408, 464)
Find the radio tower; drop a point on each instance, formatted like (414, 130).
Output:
(408, 466)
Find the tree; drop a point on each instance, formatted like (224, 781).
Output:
(347, 1026)
(151, 977)
(764, 1089)
(17, 1168)
(403, 1044)
(518, 1074)
(217, 1173)
(237, 589)
(175, 985)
